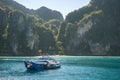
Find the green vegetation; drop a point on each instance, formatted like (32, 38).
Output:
(48, 14)
(91, 30)
(97, 29)
(26, 34)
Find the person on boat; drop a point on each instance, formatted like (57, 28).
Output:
(41, 56)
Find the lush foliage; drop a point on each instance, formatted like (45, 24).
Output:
(25, 34)
(91, 30)
(97, 30)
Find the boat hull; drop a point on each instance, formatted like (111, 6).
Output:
(35, 66)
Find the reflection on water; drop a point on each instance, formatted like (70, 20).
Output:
(73, 68)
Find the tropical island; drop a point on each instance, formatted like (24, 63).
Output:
(93, 30)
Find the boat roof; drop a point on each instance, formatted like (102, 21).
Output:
(46, 58)
(42, 59)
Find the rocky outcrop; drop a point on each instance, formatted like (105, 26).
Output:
(98, 31)
(48, 14)
(16, 35)
(23, 34)
(43, 12)
(91, 30)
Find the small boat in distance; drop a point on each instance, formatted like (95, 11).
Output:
(43, 63)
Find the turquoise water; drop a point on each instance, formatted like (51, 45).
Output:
(73, 68)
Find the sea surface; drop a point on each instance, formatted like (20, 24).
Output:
(73, 68)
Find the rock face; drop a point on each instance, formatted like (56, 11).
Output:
(98, 28)
(3, 34)
(91, 30)
(18, 30)
(23, 34)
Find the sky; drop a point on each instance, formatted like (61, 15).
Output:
(63, 6)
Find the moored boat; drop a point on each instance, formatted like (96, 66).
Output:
(43, 63)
